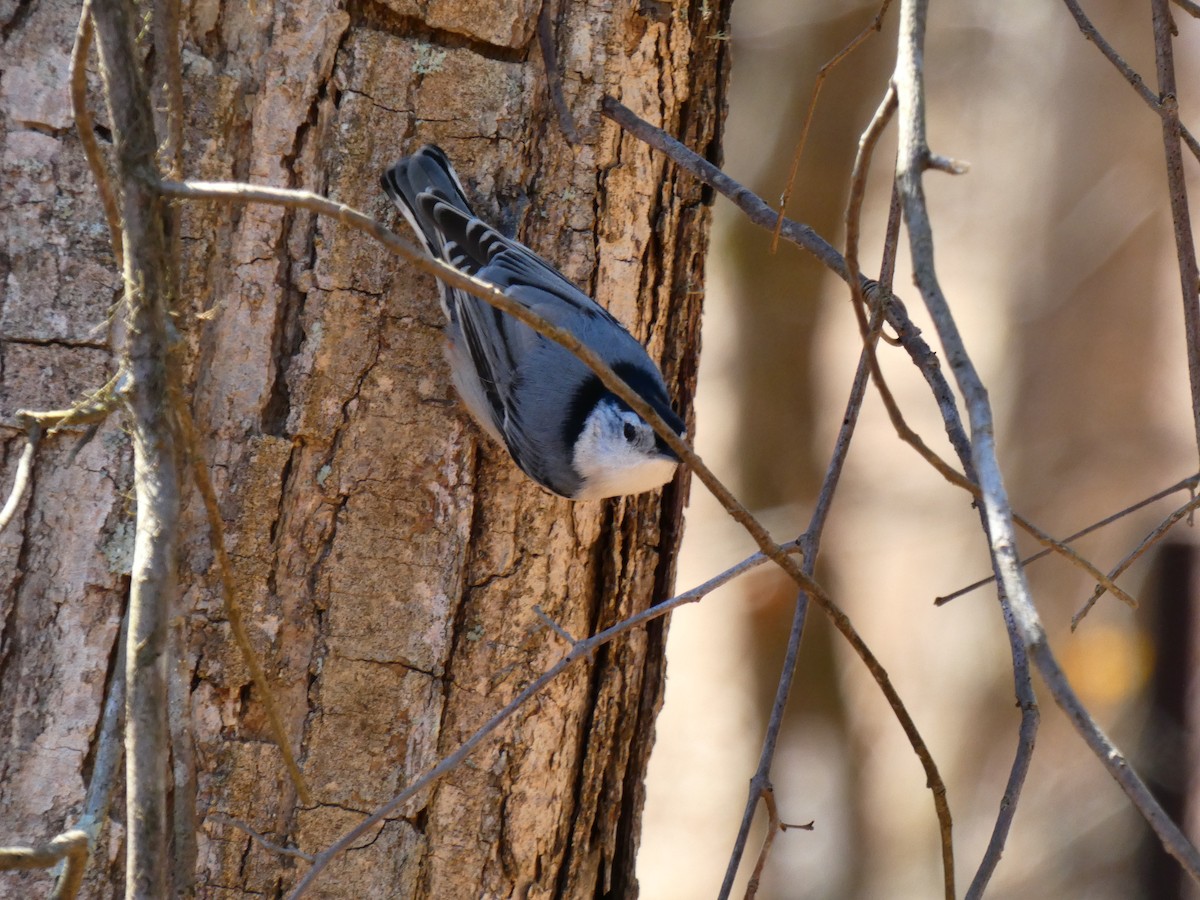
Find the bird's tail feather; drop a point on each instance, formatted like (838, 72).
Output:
(426, 172)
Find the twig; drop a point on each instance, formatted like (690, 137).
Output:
(545, 34)
(774, 826)
(169, 69)
(913, 153)
(554, 626)
(807, 238)
(803, 236)
(184, 843)
(71, 846)
(875, 25)
(756, 209)
(926, 362)
(858, 181)
(156, 479)
(579, 650)
(165, 24)
(91, 410)
(1186, 483)
(1127, 72)
(87, 133)
(1189, 6)
(1136, 553)
(760, 782)
(110, 751)
(1185, 248)
(24, 470)
(759, 212)
(265, 842)
(233, 612)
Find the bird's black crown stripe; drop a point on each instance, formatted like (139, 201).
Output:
(592, 391)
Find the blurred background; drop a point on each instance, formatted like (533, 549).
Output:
(1056, 253)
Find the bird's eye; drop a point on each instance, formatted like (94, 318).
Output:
(630, 432)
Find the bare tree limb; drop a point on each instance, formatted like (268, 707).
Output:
(233, 612)
(71, 846)
(91, 410)
(874, 26)
(1185, 247)
(145, 361)
(774, 826)
(86, 131)
(1135, 80)
(1136, 553)
(33, 437)
(1186, 484)
(760, 782)
(913, 159)
(581, 649)
(109, 753)
(756, 209)
(262, 840)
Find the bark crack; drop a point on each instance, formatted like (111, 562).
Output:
(375, 16)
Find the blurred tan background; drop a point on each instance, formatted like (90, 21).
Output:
(1057, 256)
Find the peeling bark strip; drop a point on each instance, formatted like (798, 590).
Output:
(144, 364)
(389, 558)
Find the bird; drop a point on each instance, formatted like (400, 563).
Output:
(559, 423)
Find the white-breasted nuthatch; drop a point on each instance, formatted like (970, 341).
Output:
(560, 424)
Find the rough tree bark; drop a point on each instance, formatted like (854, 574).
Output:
(388, 559)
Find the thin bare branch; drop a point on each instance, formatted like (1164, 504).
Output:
(545, 35)
(87, 133)
(91, 410)
(858, 180)
(1135, 80)
(264, 841)
(33, 437)
(233, 612)
(156, 465)
(1136, 553)
(774, 826)
(580, 650)
(554, 626)
(756, 209)
(760, 782)
(106, 765)
(873, 27)
(912, 161)
(1190, 7)
(1185, 247)
(1186, 484)
(71, 846)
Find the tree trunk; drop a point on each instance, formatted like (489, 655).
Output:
(388, 557)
